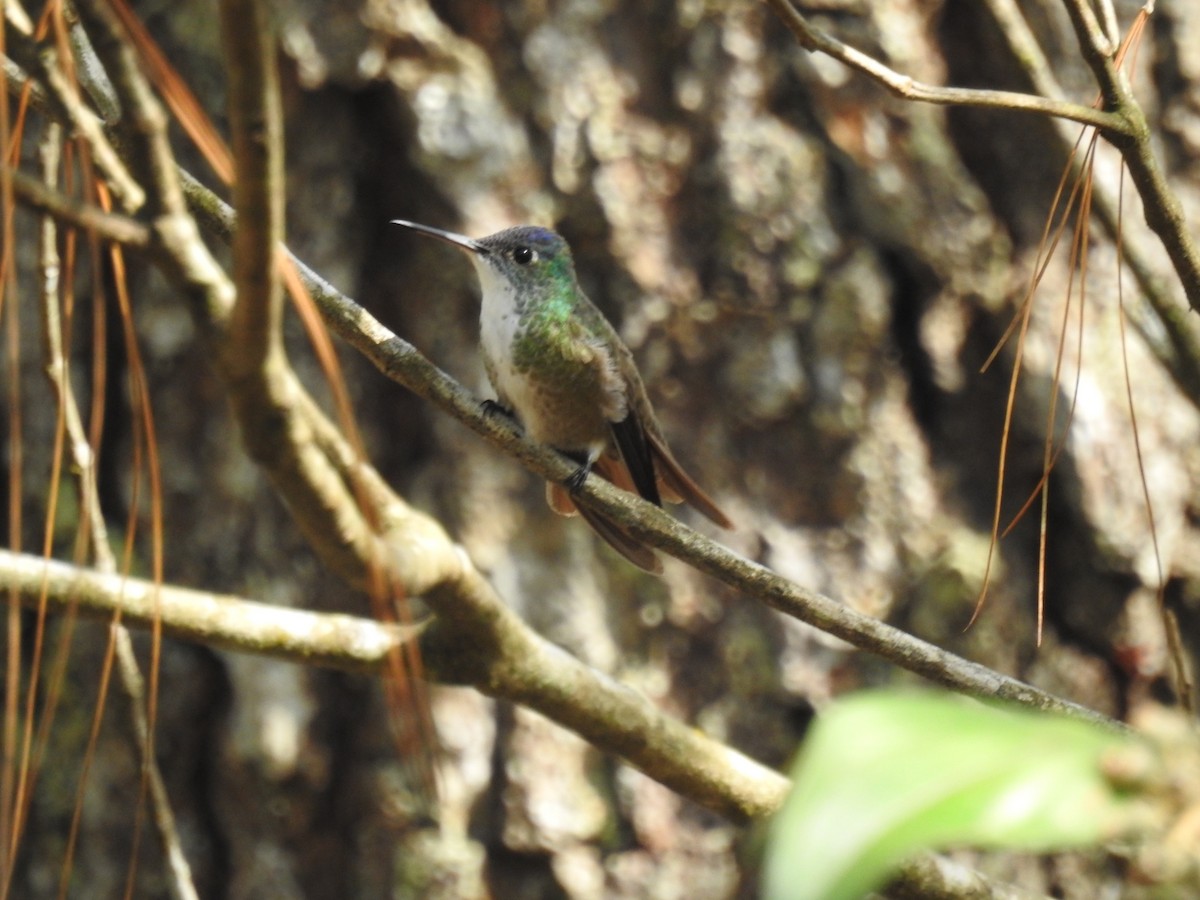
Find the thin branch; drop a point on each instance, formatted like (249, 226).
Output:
(213, 619)
(1163, 212)
(818, 41)
(89, 71)
(1121, 120)
(1108, 18)
(179, 882)
(404, 364)
(1166, 329)
(41, 62)
(1097, 49)
(18, 80)
(83, 459)
(110, 226)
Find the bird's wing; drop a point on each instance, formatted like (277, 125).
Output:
(631, 439)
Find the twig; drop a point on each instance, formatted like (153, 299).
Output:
(813, 39)
(1179, 353)
(1164, 214)
(83, 461)
(179, 882)
(89, 71)
(111, 226)
(1121, 120)
(1097, 48)
(1108, 18)
(18, 80)
(217, 620)
(41, 62)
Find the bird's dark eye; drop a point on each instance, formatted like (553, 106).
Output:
(524, 256)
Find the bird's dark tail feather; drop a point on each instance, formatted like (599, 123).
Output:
(679, 486)
(636, 552)
(564, 504)
(637, 456)
(676, 486)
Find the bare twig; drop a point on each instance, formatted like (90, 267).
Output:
(179, 881)
(89, 71)
(1121, 120)
(83, 460)
(815, 40)
(1108, 18)
(216, 620)
(17, 80)
(111, 226)
(1166, 329)
(1164, 214)
(41, 62)
(1097, 48)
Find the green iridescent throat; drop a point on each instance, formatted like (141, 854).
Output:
(547, 305)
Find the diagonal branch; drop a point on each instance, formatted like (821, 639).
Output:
(403, 363)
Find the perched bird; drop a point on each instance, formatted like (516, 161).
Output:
(562, 371)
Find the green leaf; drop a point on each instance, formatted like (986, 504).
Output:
(886, 774)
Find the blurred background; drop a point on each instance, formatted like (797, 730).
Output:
(810, 273)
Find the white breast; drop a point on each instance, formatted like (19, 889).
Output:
(498, 325)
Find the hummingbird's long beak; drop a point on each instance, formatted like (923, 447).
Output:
(459, 240)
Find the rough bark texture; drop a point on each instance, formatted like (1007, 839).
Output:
(810, 274)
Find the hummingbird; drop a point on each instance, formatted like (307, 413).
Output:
(561, 371)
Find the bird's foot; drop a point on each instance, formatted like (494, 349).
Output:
(575, 480)
(496, 408)
(497, 411)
